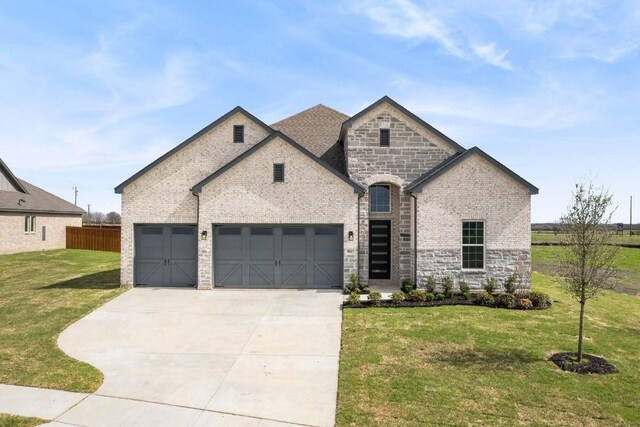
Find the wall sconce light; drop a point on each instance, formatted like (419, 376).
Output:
(203, 235)
(351, 236)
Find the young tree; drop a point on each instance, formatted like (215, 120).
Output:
(113, 218)
(588, 257)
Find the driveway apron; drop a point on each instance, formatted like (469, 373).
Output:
(221, 357)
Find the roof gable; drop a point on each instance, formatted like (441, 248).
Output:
(385, 99)
(277, 134)
(421, 181)
(11, 178)
(189, 140)
(318, 130)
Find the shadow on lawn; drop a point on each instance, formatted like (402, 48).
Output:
(103, 280)
(487, 358)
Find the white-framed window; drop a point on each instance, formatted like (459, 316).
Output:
(30, 224)
(379, 198)
(473, 245)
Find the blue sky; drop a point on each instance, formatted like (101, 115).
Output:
(93, 91)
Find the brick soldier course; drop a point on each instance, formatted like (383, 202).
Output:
(331, 160)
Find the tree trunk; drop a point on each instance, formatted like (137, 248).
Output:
(580, 331)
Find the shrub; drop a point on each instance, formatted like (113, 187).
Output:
(374, 297)
(398, 296)
(466, 295)
(439, 297)
(490, 284)
(406, 287)
(418, 295)
(354, 284)
(447, 285)
(353, 298)
(431, 285)
(484, 298)
(365, 290)
(511, 284)
(464, 287)
(505, 300)
(539, 299)
(525, 303)
(428, 296)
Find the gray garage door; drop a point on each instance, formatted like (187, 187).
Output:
(278, 257)
(166, 255)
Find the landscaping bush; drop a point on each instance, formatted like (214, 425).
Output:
(464, 287)
(511, 284)
(353, 298)
(539, 299)
(374, 297)
(365, 290)
(353, 285)
(431, 285)
(466, 295)
(398, 296)
(490, 285)
(525, 303)
(447, 286)
(505, 300)
(406, 287)
(418, 295)
(484, 298)
(428, 296)
(440, 297)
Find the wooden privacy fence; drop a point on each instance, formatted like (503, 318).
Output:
(95, 239)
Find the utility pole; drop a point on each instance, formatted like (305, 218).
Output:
(630, 215)
(75, 196)
(88, 213)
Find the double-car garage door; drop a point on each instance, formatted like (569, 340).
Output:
(279, 257)
(244, 256)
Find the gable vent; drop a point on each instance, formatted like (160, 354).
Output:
(278, 172)
(238, 133)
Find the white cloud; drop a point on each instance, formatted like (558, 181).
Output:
(489, 54)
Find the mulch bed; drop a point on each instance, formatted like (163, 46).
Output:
(589, 365)
(387, 303)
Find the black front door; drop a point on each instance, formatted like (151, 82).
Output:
(379, 249)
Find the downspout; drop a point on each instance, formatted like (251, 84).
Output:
(415, 239)
(358, 241)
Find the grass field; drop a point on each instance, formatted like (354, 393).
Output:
(481, 366)
(627, 263)
(540, 237)
(41, 293)
(15, 421)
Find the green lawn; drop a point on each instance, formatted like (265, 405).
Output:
(15, 421)
(541, 237)
(470, 365)
(627, 262)
(41, 293)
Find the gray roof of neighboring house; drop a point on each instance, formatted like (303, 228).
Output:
(188, 141)
(31, 199)
(421, 181)
(357, 188)
(317, 129)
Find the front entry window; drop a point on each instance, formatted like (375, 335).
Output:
(379, 195)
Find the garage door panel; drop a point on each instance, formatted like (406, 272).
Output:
(228, 274)
(183, 244)
(326, 274)
(151, 243)
(262, 274)
(183, 273)
(327, 244)
(150, 272)
(294, 273)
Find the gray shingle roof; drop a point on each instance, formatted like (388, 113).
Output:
(317, 129)
(35, 200)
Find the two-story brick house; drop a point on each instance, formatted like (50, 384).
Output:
(318, 196)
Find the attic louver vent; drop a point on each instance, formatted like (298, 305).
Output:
(384, 137)
(238, 133)
(278, 172)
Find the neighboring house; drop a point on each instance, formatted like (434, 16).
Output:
(30, 218)
(318, 196)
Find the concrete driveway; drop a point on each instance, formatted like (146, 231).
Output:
(200, 358)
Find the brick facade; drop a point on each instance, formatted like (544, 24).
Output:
(13, 238)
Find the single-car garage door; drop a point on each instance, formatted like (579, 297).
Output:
(278, 257)
(166, 255)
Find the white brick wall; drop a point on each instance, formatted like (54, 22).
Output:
(162, 194)
(13, 239)
(474, 189)
(246, 194)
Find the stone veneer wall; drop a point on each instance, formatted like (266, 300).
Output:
(413, 151)
(13, 238)
(246, 194)
(162, 195)
(474, 190)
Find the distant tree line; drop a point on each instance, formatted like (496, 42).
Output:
(98, 217)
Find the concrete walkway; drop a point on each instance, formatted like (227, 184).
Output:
(197, 358)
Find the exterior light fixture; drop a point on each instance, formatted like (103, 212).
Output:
(351, 236)
(203, 235)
